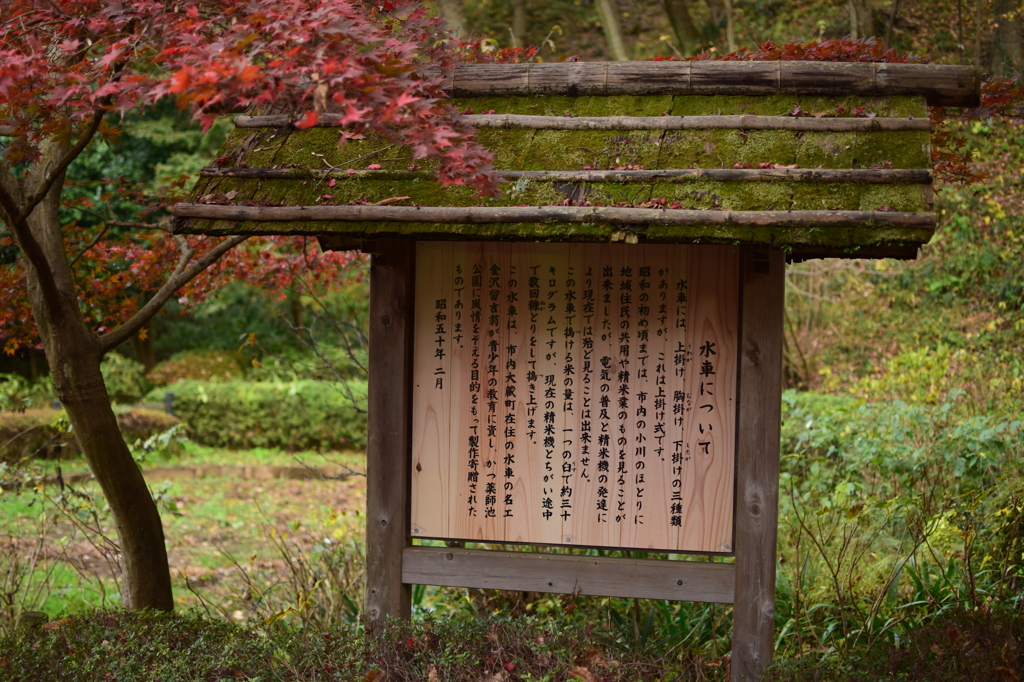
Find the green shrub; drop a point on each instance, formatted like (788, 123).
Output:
(199, 366)
(125, 379)
(35, 432)
(185, 647)
(298, 415)
(135, 646)
(46, 432)
(891, 513)
(328, 363)
(18, 394)
(897, 447)
(958, 646)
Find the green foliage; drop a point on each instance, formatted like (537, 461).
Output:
(161, 445)
(890, 515)
(327, 363)
(306, 335)
(154, 147)
(181, 146)
(141, 645)
(199, 366)
(959, 646)
(18, 394)
(47, 432)
(835, 440)
(981, 244)
(185, 647)
(929, 376)
(297, 415)
(221, 323)
(125, 379)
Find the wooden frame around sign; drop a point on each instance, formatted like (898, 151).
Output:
(394, 565)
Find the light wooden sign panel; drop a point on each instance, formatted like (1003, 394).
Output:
(575, 394)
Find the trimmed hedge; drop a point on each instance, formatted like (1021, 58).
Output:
(41, 432)
(124, 378)
(198, 366)
(296, 415)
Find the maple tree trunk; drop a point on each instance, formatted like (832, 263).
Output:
(683, 26)
(146, 581)
(74, 355)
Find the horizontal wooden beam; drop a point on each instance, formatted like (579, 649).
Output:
(874, 176)
(553, 214)
(940, 84)
(562, 574)
(730, 122)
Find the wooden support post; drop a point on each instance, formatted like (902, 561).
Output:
(757, 460)
(388, 420)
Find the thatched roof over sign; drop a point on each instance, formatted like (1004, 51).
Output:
(675, 152)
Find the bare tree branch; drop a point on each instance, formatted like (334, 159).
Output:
(91, 244)
(181, 276)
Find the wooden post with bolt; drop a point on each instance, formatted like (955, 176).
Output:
(388, 438)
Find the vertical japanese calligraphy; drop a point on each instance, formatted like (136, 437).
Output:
(575, 394)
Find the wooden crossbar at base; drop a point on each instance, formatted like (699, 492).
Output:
(561, 574)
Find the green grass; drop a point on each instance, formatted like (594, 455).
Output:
(197, 455)
(193, 454)
(220, 530)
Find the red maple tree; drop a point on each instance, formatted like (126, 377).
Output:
(69, 68)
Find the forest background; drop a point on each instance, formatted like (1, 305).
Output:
(901, 543)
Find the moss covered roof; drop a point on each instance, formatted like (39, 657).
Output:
(307, 154)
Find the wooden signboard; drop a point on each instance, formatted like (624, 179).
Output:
(575, 394)
(598, 394)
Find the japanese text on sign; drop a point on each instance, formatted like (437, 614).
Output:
(575, 394)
